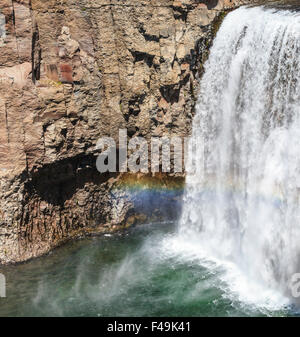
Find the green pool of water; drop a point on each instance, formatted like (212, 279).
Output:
(129, 274)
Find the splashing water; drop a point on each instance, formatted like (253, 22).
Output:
(242, 206)
(238, 239)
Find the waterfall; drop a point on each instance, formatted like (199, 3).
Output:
(242, 202)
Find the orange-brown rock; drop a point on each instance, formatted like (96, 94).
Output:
(70, 73)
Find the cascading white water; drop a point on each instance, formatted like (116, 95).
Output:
(243, 204)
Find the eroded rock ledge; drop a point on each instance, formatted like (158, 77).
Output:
(72, 72)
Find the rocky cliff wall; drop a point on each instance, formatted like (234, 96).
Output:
(72, 72)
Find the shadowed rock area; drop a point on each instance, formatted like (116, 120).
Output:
(72, 72)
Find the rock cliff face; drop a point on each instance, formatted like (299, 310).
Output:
(72, 72)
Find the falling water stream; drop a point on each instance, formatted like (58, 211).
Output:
(237, 244)
(242, 204)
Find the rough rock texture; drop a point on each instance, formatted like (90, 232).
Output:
(70, 73)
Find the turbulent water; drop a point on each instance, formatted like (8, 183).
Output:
(138, 273)
(237, 245)
(242, 206)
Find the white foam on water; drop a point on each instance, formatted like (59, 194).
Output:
(242, 207)
(234, 283)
